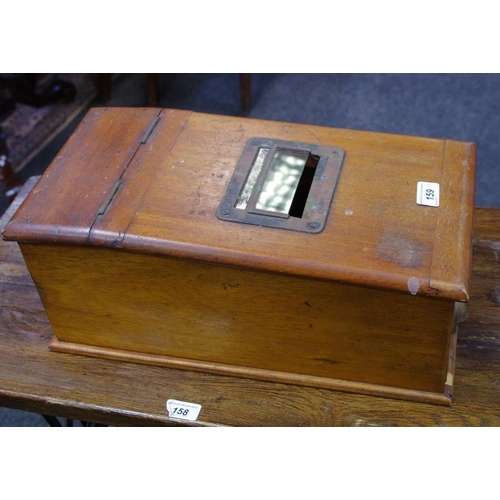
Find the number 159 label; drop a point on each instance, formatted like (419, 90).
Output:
(183, 410)
(428, 194)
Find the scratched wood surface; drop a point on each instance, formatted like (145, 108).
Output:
(156, 180)
(260, 325)
(114, 392)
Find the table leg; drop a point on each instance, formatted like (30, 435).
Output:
(245, 93)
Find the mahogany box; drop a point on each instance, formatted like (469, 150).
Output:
(302, 254)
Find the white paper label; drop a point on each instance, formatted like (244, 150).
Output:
(428, 194)
(183, 410)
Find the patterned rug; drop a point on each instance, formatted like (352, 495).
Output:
(28, 129)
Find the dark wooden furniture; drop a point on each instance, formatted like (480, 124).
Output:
(245, 88)
(245, 92)
(120, 393)
(10, 182)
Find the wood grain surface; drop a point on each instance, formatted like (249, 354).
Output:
(114, 392)
(162, 197)
(261, 325)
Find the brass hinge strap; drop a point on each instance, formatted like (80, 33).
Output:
(109, 198)
(150, 129)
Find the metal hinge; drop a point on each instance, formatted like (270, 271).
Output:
(150, 129)
(109, 198)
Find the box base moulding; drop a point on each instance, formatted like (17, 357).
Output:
(444, 398)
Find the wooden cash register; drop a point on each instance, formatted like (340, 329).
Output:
(310, 255)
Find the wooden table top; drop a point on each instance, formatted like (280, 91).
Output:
(32, 378)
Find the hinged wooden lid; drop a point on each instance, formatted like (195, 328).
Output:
(151, 180)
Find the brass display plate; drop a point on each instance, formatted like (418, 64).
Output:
(244, 200)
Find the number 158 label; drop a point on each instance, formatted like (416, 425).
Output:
(183, 410)
(428, 194)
